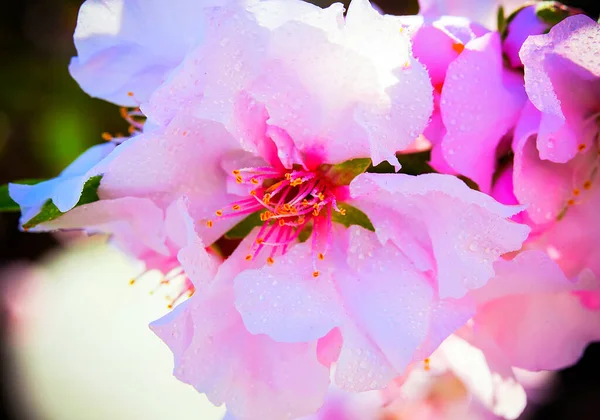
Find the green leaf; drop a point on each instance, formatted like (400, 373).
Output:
(412, 164)
(552, 12)
(7, 204)
(470, 183)
(353, 216)
(49, 211)
(343, 173)
(501, 20)
(305, 233)
(243, 228)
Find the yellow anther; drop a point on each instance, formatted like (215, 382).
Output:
(254, 181)
(266, 198)
(131, 282)
(107, 136)
(270, 261)
(288, 176)
(426, 363)
(581, 147)
(124, 113)
(587, 185)
(321, 196)
(281, 222)
(576, 192)
(321, 256)
(296, 182)
(343, 212)
(300, 220)
(571, 202)
(259, 240)
(130, 94)
(170, 306)
(235, 172)
(458, 47)
(209, 223)
(253, 193)
(248, 257)
(236, 207)
(238, 179)
(315, 274)
(219, 213)
(315, 212)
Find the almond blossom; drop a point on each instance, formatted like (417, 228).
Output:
(557, 143)
(477, 98)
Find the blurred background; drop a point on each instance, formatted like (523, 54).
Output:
(45, 122)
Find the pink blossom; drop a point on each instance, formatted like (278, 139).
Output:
(556, 144)
(349, 274)
(562, 80)
(477, 99)
(265, 143)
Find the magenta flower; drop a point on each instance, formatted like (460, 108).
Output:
(478, 100)
(557, 143)
(562, 81)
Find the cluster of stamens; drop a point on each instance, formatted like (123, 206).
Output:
(178, 285)
(290, 203)
(134, 117)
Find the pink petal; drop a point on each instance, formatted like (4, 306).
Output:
(480, 102)
(137, 222)
(532, 177)
(574, 239)
(126, 47)
(215, 72)
(561, 80)
(182, 160)
(532, 314)
(255, 376)
(482, 11)
(466, 230)
(285, 302)
(530, 272)
(540, 332)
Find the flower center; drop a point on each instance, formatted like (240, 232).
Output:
(292, 205)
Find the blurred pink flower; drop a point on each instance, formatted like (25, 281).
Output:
(534, 316)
